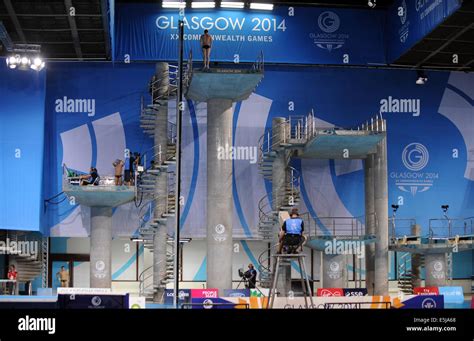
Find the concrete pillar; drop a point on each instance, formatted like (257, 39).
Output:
(369, 222)
(435, 269)
(334, 271)
(381, 216)
(101, 247)
(219, 195)
(161, 186)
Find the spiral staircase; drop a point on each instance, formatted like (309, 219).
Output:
(158, 162)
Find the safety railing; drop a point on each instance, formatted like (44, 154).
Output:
(145, 280)
(188, 72)
(451, 227)
(165, 85)
(268, 209)
(301, 129)
(400, 227)
(347, 227)
(259, 64)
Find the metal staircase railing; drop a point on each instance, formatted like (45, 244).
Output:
(147, 287)
(264, 266)
(404, 274)
(268, 210)
(295, 131)
(44, 261)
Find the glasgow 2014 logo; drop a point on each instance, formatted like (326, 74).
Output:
(415, 158)
(329, 22)
(404, 29)
(328, 38)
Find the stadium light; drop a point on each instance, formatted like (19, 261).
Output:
(261, 6)
(203, 4)
(230, 4)
(173, 4)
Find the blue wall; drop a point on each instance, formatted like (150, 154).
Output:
(21, 148)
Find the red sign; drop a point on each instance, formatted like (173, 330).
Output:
(204, 293)
(426, 291)
(330, 292)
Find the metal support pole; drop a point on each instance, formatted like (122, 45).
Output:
(179, 113)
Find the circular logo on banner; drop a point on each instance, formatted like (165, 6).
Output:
(220, 229)
(415, 156)
(334, 266)
(428, 303)
(207, 304)
(96, 301)
(438, 266)
(99, 265)
(329, 22)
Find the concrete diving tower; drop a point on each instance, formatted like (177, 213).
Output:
(308, 137)
(219, 88)
(101, 198)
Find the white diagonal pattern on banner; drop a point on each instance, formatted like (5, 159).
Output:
(249, 183)
(110, 139)
(77, 148)
(460, 112)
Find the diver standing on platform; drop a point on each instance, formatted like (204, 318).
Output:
(206, 45)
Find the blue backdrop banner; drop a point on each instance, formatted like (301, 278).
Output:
(408, 21)
(285, 35)
(22, 95)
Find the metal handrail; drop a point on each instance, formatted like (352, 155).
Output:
(339, 226)
(265, 206)
(143, 276)
(259, 63)
(301, 129)
(466, 226)
(393, 225)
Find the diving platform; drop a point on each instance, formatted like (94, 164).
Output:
(220, 88)
(103, 196)
(232, 84)
(332, 143)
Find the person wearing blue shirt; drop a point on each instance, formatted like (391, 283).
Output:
(292, 231)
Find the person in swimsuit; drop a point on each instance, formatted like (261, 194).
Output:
(63, 277)
(206, 45)
(118, 165)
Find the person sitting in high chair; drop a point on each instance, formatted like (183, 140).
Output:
(291, 233)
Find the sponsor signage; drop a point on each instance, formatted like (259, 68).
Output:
(82, 301)
(237, 292)
(330, 292)
(184, 296)
(426, 291)
(262, 292)
(135, 302)
(204, 293)
(88, 291)
(423, 302)
(214, 303)
(326, 302)
(452, 294)
(349, 292)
